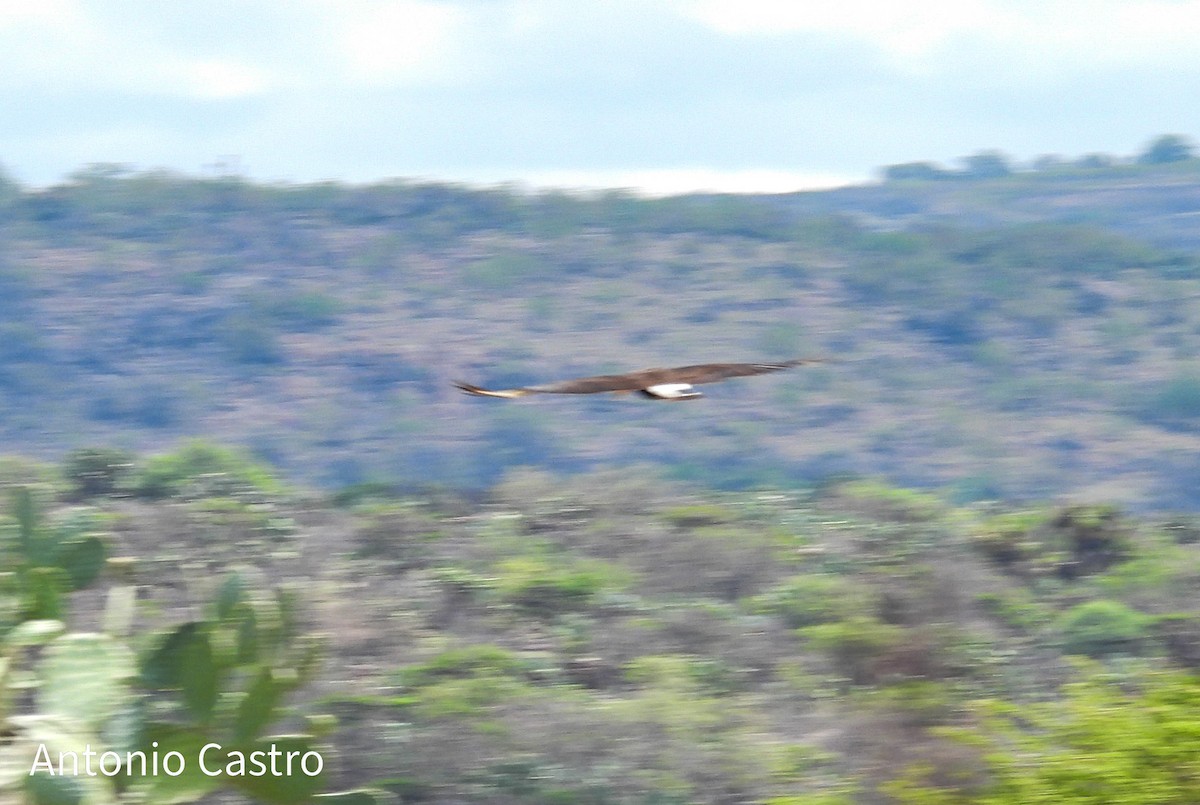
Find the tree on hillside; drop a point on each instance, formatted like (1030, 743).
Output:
(987, 165)
(1167, 148)
(9, 188)
(1096, 161)
(914, 170)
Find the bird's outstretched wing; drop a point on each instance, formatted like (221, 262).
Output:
(642, 380)
(714, 372)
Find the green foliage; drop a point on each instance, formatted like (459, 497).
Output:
(505, 272)
(987, 165)
(223, 679)
(611, 639)
(82, 691)
(301, 311)
(699, 514)
(856, 645)
(1167, 148)
(1174, 402)
(1100, 744)
(550, 586)
(915, 171)
(85, 679)
(96, 471)
(823, 798)
(917, 702)
(201, 468)
(1102, 627)
(810, 599)
(226, 679)
(1070, 542)
(250, 341)
(468, 661)
(396, 532)
(48, 560)
(881, 499)
(464, 682)
(1007, 538)
(1016, 609)
(469, 697)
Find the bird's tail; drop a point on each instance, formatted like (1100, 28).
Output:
(477, 391)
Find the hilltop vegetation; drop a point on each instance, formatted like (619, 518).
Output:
(1014, 334)
(610, 638)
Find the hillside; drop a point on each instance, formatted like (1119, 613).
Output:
(609, 638)
(1020, 337)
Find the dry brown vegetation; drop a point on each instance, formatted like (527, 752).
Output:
(614, 638)
(1019, 337)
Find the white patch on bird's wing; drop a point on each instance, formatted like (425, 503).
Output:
(671, 391)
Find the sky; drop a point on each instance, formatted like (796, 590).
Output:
(661, 96)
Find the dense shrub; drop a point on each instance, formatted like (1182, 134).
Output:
(1099, 743)
(249, 340)
(1070, 542)
(807, 600)
(1174, 402)
(1100, 628)
(201, 468)
(856, 645)
(505, 271)
(551, 586)
(94, 471)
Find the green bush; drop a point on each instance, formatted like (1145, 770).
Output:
(481, 659)
(883, 501)
(1101, 743)
(551, 586)
(1174, 402)
(47, 561)
(1008, 538)
(695, 515)
(1016, 608)
(248, 340)
(808, 600)
(1070, 542)
(1104, 627)
(203, 469)
(464, 683)
(856, 645)
(302, 312)
(507, 271)
(221, 679)
(96, 471)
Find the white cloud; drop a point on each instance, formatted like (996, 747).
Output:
(928, 35)
(387, 43)
(221, 79)
(51, 12)
(906, 30)
(40, 41)
(59, 46)
(674, 181)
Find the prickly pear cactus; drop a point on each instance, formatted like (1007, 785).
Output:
(214, 686)
(231, 675)
(51, 561)
(85, 678)
(83, 701)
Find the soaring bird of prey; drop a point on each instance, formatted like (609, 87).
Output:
(657, 384)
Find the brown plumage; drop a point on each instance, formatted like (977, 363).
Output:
(659, 384)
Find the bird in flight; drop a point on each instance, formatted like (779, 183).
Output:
(657, 384)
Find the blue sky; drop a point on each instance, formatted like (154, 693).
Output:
(667, 96)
